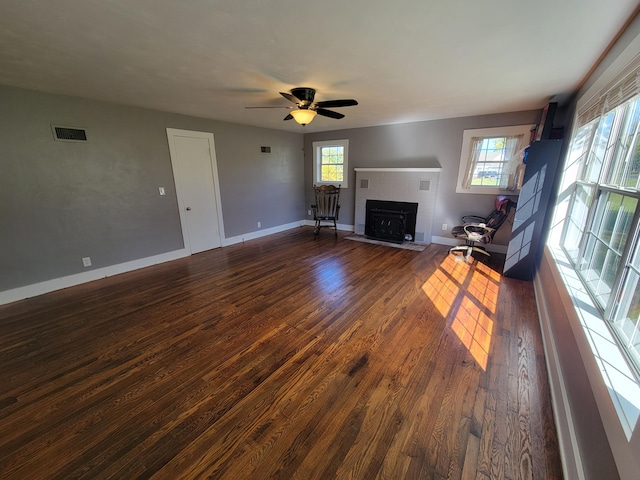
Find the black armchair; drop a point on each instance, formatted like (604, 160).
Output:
(481, 230)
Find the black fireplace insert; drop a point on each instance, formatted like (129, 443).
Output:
(390, 221)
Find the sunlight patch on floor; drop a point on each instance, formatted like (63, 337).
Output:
(473, 327)
(473, 293)
(443, 286)
(485, 290)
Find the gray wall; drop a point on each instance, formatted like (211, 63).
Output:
(62, 201)
(421, 144)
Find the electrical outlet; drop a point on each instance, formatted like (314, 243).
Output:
(86, 261)
(259, 224)
(161, 190)
(309, 212)
(445, 226)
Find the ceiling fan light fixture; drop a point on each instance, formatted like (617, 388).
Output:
(303, 116)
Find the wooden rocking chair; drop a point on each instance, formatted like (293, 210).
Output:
(326, 208)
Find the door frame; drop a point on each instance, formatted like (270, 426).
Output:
(171, 134)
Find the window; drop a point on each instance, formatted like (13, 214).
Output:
(600, 233)
(330, 159)
(491, 159)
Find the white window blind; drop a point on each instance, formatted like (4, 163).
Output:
(491, 159)
(507, 164)
(622, 88)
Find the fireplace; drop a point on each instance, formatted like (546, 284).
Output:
(399, 185)
(390, 221)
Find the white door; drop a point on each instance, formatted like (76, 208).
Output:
(196, 177)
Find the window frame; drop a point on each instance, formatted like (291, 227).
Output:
(465, 155)
(584, 178)
(317, 162)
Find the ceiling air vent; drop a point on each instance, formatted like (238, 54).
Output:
(265, 149)
(69, 134)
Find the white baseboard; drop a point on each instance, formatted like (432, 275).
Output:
(341, 226)
(47, 286)
(567, 441)
(260, 233)
(450, 241)
(28, 291)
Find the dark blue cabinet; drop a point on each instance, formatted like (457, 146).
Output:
(534, 211)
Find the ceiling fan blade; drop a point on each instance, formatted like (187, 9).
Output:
(337, 103)
(288, 117)
(290, 97)
(283, 106)
(329, 113)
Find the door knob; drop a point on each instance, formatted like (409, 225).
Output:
(188, 209)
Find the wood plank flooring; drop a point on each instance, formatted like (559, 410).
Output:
(280, 358)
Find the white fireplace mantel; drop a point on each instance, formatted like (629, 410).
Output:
(416, 185)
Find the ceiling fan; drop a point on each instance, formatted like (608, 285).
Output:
(306, 108)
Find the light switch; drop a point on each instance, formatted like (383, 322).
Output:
(161, 189)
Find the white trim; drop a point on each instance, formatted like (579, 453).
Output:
(467, 135)
(602, 365)
(341, 226)
(567, 442)
(261, 233)
(28, 291)
(400, 169)
(344, 143)
(449, 241)
(171, 133)
(47, 286)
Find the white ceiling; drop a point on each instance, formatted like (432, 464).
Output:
(404, 61)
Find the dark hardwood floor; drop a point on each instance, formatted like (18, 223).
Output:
(284, 357)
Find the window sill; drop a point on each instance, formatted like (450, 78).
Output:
(336, 184)
(618, 377)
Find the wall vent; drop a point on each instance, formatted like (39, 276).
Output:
(265, 149)
(425, 184)
(68, 134)
(364, 183)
